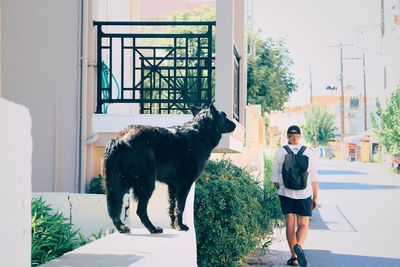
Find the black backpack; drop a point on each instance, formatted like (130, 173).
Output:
(294, 169)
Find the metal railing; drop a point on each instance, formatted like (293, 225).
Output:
(164, 67)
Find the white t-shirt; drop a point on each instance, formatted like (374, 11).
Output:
(277, 172)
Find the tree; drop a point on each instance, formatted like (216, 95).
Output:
(319, 126)
(197, 14)
(187, 82)
(269, 81)
(387, 124)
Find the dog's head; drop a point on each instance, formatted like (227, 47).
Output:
(218, 118)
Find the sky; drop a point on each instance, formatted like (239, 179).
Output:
(310, 27)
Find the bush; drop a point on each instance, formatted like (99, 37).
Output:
(96, 185)
(233, 214)
(271, 198)
(52, 235)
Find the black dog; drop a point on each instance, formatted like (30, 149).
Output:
(140, 155)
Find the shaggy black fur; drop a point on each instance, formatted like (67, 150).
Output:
(140, 155)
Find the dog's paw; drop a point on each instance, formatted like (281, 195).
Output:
(182, 227)
(156, 230)
(124, 229)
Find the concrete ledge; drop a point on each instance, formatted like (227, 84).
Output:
(88, 212)
(138, 249)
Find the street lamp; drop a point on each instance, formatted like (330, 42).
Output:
(331, 87)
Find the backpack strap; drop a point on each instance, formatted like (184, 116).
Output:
(288, 150)
(301, 151)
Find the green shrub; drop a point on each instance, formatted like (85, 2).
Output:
(52, 234)
(96, 185)
(233, 214)
(271, 198)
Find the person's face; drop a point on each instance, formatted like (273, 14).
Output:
(293, 138)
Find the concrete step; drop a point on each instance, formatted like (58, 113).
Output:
(138, 248)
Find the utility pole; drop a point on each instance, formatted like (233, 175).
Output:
(342, 132)
(365, 94)
(311, 95)
(382, 18)
(252, 41)
(365, 87)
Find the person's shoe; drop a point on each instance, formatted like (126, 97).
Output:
(301, 257)
(292, 262)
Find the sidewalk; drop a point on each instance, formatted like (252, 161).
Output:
(322, 246)
(355, 223)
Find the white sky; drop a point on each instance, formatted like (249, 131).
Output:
(311, 26)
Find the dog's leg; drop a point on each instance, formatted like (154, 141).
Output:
(181, 201)
(172, 204)
(114, 195)
(114, 204)
(143, 195)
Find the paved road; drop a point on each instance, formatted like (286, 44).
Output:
(357, 222)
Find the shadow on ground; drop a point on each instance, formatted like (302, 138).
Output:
(340, 172)
(95, 260)
(354, 186)
(321, 258)
(316, 221)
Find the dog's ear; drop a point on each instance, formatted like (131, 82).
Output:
(213, 110)
(195, 110)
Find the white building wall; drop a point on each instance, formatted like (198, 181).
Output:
(40, 66)
(15, 194)
(224, 69)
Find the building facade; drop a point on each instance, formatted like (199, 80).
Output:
(49, 63)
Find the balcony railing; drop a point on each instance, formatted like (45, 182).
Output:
(164, 67)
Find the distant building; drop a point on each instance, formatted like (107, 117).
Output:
(353, 118)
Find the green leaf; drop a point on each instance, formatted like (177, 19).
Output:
(386, 122)
(232, 213)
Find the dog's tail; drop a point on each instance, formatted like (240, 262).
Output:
(111, 161)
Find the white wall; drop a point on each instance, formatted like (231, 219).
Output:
(40, 64)
(224, 74)
(224, 57)
(15, 192)
(88, 212)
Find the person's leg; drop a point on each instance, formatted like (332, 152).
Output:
(288, 208)
(302, 229)
(290, 220)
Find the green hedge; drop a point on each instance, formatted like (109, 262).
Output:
(96, 185)
(233, 214)
(271, 198)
